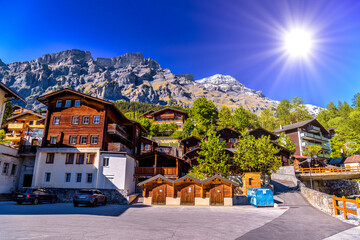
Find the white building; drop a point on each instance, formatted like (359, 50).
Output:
(352, 161)
(84, 168)
(6, 94)
(10, 165)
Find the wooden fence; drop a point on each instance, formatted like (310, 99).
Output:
(344, 200)
(328, 169)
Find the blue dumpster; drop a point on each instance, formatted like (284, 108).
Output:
(262, 197)
(250, 194)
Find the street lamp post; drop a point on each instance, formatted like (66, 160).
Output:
(309, 161)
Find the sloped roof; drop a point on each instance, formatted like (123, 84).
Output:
(293, 126)
(352, 159)
(10, 92)
(190, 138)
(166, 109)
(24, 113)
(154, 178)
(334, 161)
(221, 178)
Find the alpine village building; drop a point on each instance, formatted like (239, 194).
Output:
(304, 134)
(87, 143)
(167, 115)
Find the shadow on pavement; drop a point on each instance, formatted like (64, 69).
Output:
(12, 208)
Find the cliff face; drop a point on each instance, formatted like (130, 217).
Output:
(130, 77)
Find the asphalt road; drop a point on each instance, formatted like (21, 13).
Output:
(296, 220)
(301, 221)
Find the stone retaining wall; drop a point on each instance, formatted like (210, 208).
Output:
(286, 173)
(317, 199)
(340, 187)
(113, 196)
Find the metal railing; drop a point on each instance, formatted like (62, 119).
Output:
(328, 169)
(344, 200)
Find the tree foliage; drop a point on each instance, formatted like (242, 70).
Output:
(225, 117)
(204, 112)
(188, 126)
(7, 112)
(212, 159)
(2, 134)
(286, 142)
(312, 150)
(256, 155)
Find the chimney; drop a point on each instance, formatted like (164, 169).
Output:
(281, 126)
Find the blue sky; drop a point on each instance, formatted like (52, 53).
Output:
(243, 39)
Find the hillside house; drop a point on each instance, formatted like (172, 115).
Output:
(167, 115)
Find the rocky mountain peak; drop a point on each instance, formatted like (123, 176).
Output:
(68, 57)
(219, 79)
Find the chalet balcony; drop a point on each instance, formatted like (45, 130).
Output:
(152, 171)
(116, 130)
(312, 128)
(310, 136)
(306, 144)
(16, 126)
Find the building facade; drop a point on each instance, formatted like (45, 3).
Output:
(6, 94)
(167, 115)
(87, 143)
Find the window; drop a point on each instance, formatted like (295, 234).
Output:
(47, 177)
(80, 158)
(75, 120)
(85, 120)
(221, 139)
(231, 140)
(142, 147)
(147, 147)
(90, 158)
(137, 132)
(58, 103)
(53, 139)
(68, 103)
(5, 168)
(13, 169)
(31, 123)
(72, 140)
(50, 158)
(70, 158)
(96, 119)
(106, 162)
(78, 177)
(83, 139)
(67, 177)
(56, 120)
(77, 103)
(89, 177)
(94, 140)
(37, 123)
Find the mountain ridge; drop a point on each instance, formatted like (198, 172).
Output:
(130, 77)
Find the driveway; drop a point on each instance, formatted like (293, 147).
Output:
(296, 220)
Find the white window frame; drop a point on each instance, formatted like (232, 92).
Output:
(53, 137)
(106, 161)
(56, 122)
(72, 137)
(83, 118)
(81, 142)
(98, 119)
(94, 137)
(75, 122)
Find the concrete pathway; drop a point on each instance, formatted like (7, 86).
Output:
(301, 221)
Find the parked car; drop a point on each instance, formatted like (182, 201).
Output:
(91, 197)
(34, 196)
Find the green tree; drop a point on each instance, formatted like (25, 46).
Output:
(256, 155)
(225, 117)
(268, 119)
(338, 146)
(2, 134)
(154, 129)
(188, 126)
(312, 150)
(299, 112)
(356, 101)
(245, 119)
(7, 112)
(204, 112)
(283, 112)
(286, 142)
(146, 123)
(213, 158)
(172, 127)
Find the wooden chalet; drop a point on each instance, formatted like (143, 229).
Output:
(148, 145)
(78, 120)
(187, 190)
(189, 144)
(167, 115)
(155, 162)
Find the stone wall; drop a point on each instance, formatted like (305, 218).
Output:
(113, 196)
(317, 199)
(340, 187)
(286, 173)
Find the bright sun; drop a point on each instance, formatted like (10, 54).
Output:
(298, 43)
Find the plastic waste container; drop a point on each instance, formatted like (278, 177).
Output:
(262, 197)
(250, 194)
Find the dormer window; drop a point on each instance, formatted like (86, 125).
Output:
(77, 103)
(58, 103)
(68, 103)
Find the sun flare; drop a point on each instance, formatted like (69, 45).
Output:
(298, 43)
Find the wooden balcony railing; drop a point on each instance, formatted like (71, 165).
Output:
(343, 208)
(117, 130)
(15, 126)
(328, 169)
(155, 171)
